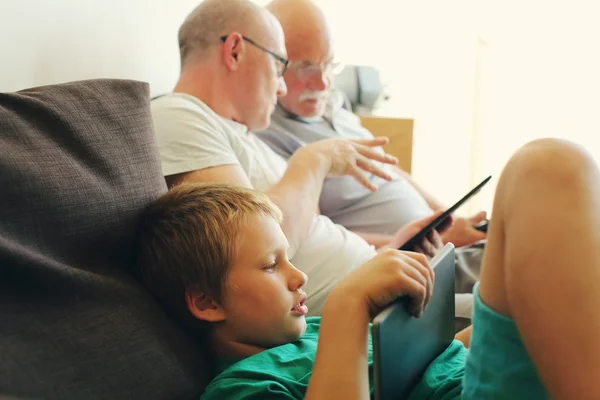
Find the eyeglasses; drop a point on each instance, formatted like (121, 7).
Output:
(305, 70)
(283, 64)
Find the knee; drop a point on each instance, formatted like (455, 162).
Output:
(559, 162)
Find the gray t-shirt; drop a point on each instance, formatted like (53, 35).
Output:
(343, 199)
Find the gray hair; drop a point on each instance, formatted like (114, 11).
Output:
(212, 19)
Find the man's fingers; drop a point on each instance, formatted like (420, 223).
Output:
(424, 248)
(477, 235)
(369, 166)
(428, 248)
(436, 239)
(417, 248)
(357, 174)
(446, 224)
(477, 218)
(376, 155)
(374, 142)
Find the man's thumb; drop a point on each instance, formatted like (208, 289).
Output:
(480, 216)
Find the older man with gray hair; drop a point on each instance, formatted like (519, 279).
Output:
(312, 110)
(233, 58)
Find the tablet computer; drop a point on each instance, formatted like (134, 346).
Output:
(404, 346)
(415, 240)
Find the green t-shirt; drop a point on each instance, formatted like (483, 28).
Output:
(283, 372)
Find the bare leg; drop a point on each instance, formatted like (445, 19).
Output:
(464, 336)
(542, 263)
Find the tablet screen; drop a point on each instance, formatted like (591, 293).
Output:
(410, 244)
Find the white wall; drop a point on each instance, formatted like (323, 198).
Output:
(44, 42)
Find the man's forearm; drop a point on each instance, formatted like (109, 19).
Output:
(433, 203)
(341, 367)
(297, 195)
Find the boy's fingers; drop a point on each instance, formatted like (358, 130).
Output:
(414, 288)
(420, 271)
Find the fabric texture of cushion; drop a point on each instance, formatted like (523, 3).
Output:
(78, 164)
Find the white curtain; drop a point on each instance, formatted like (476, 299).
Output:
(480, 78)
(540, 77)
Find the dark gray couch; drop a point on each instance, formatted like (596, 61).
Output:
(78, 164)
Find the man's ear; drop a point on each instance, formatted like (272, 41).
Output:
(203, 307)
(233, 51)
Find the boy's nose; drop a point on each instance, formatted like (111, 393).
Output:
(297, 278)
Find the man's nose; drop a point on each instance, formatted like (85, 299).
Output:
(282, 88)
(319, 81)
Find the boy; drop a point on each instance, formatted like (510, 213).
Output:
(216, 257)
(228, 268)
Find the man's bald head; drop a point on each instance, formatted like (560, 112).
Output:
(309, 48)
(304, 25)
(213, 18)
(239, 77)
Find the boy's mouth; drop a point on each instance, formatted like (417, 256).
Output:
(300, 307)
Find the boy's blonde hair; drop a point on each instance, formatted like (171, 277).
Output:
(188, 239)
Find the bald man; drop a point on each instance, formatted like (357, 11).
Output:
(312, 111)
(233, 57)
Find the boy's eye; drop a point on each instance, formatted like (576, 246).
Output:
(270, 267)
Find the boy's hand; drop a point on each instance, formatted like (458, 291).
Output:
(384, 278)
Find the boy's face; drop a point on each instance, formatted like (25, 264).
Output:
(263, 302)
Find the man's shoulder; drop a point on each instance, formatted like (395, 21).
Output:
(173, 103)
(283, 135)
(337, 109)
(182, 115)
(282, 122)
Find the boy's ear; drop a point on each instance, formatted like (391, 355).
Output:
(203, 307)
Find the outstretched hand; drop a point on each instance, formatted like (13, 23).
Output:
(354, 157)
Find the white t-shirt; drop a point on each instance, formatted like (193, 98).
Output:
(191, 137)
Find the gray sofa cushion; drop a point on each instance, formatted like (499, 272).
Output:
(78, 164)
